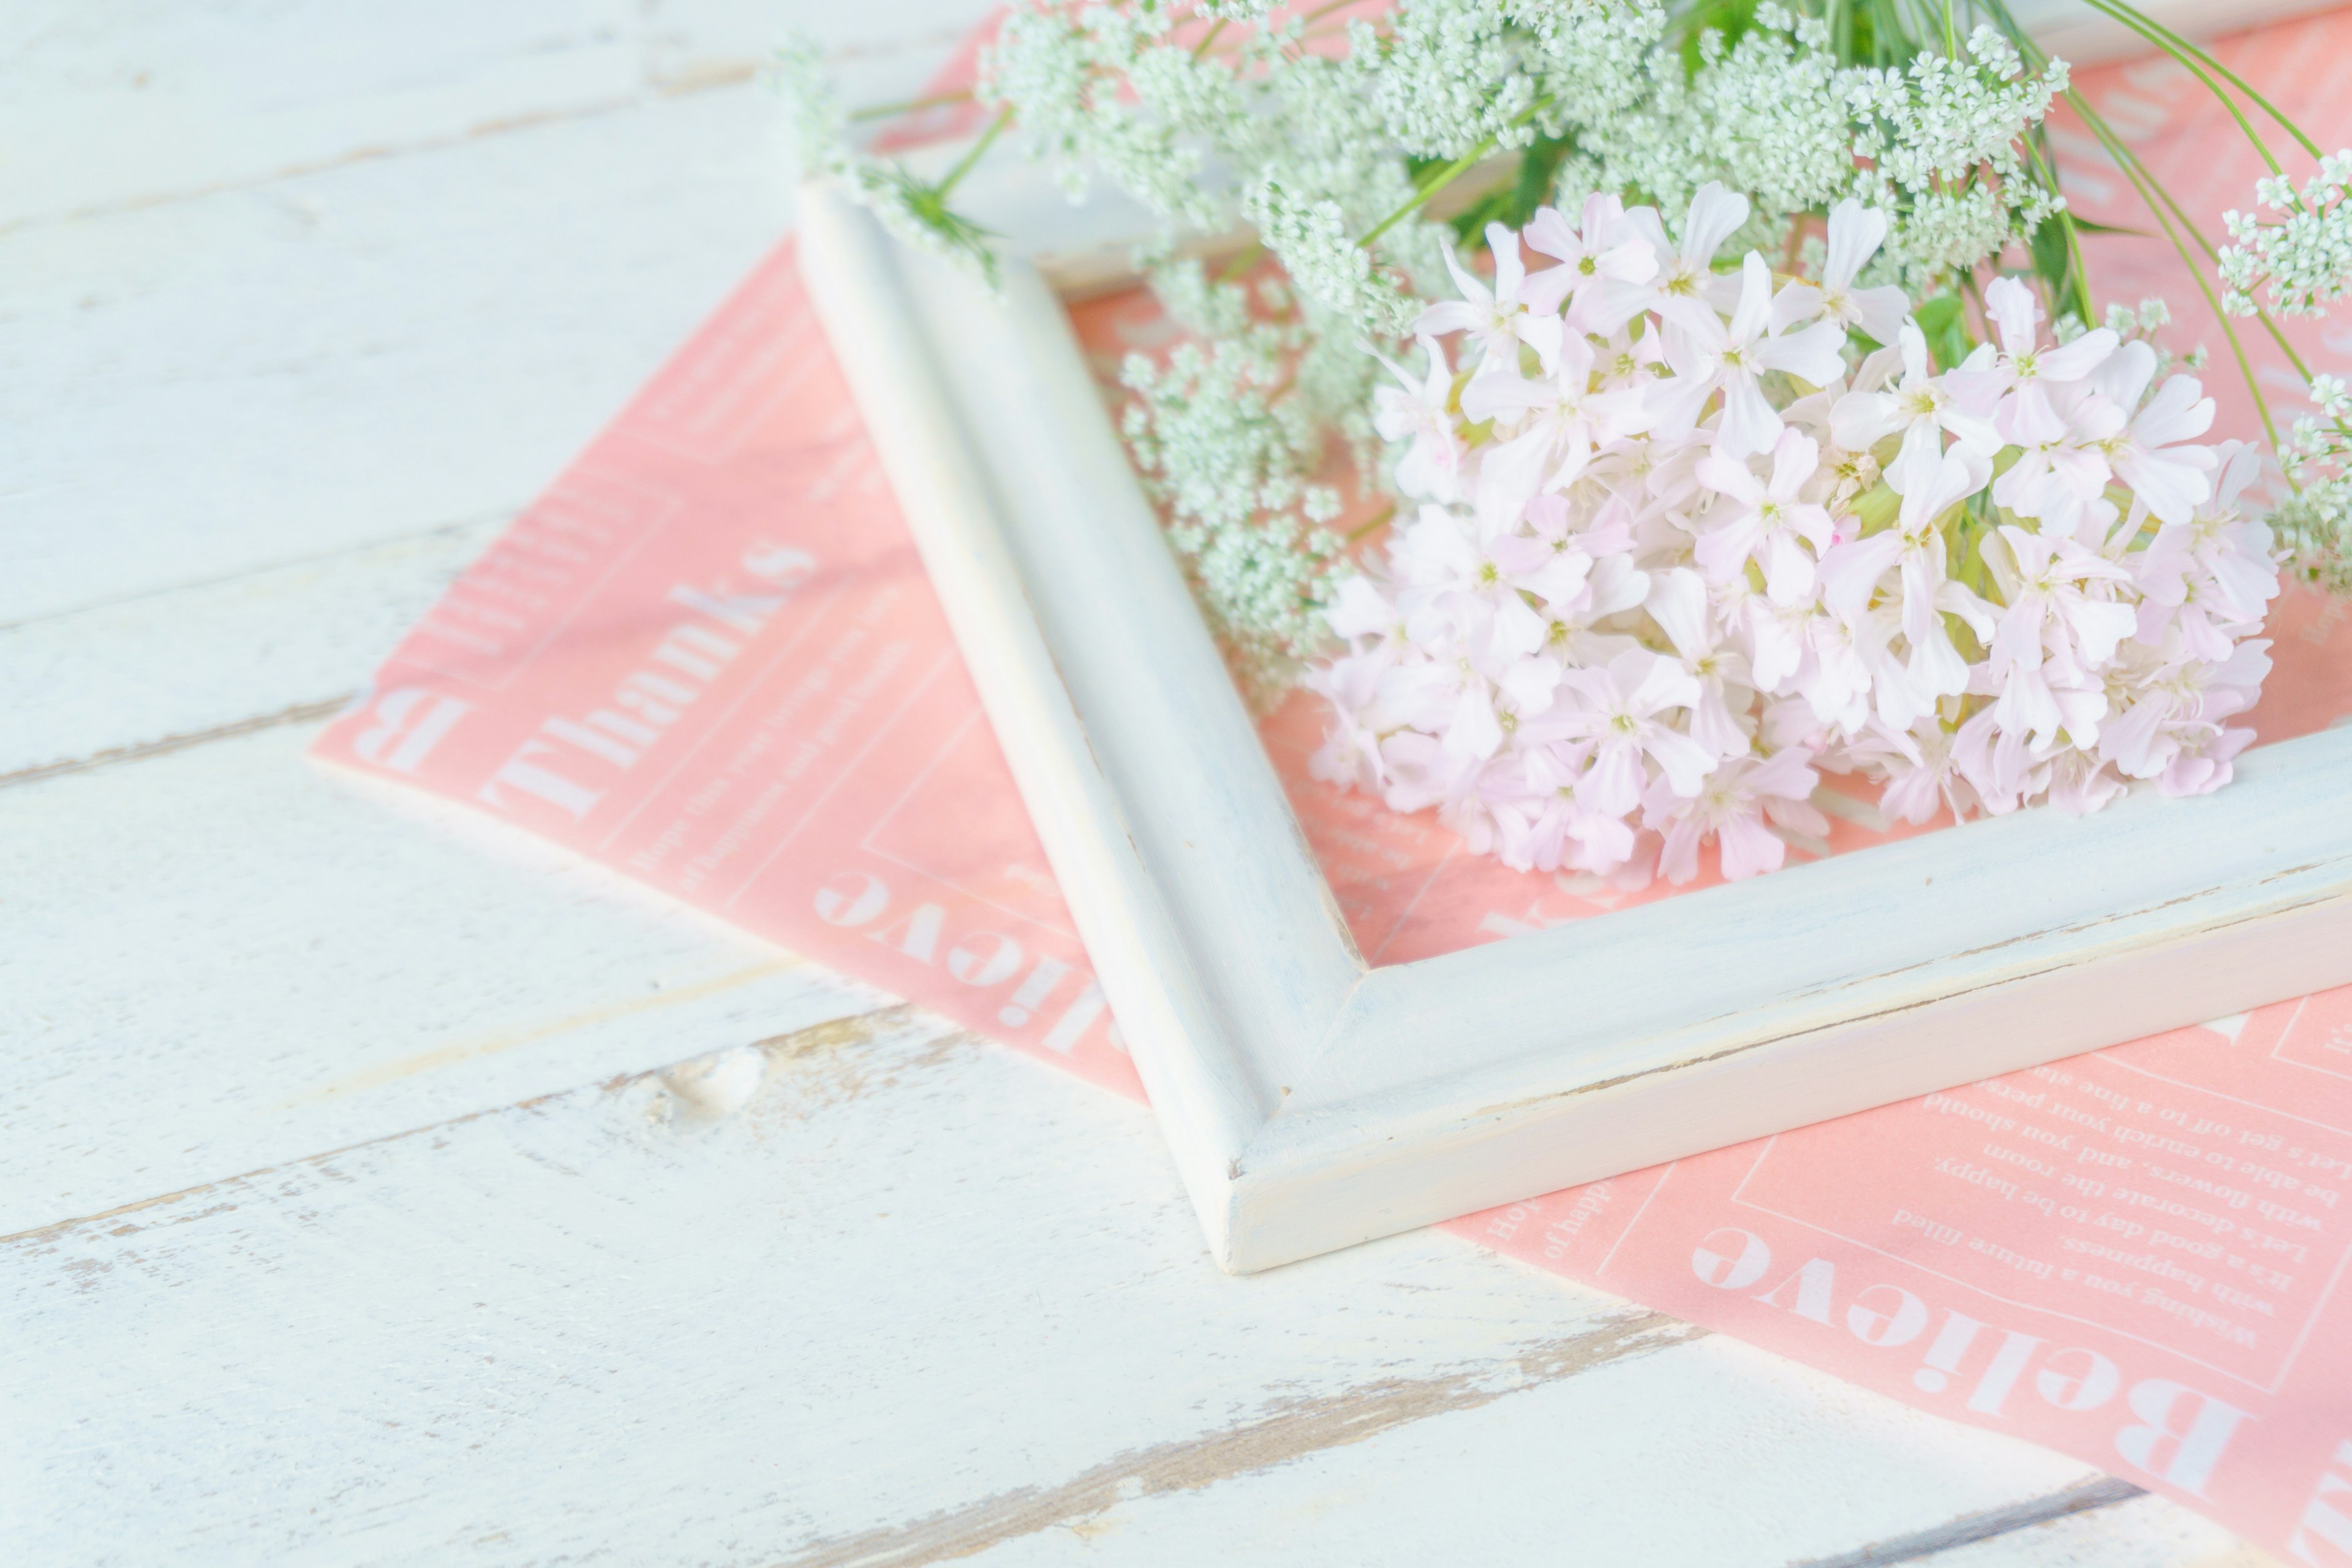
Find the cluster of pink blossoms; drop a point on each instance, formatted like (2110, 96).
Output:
(1675, 554)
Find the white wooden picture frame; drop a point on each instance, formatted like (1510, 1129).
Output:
(1312, 1101)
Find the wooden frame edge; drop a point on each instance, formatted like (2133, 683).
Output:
(1243, 1001)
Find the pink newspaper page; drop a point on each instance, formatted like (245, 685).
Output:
(707, 656)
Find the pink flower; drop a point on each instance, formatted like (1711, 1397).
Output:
(1997, 763)
(2058, 600)
(2205, 763)
(1464, 594)
(1543, 826)
(1614, 630)
(2178, 704)
(1624, 363)
(1417, 412)
(1679, 603)
(2078, 783)
(1856, 233)
(1602, 269)
(1617, 708)
(1834, 678)
(1923, 409)
(1580, 576)
(1739, 804)
(2170, 478)
(1350, 753)
(1914, 550)
(1423, 772)
(2214, 571)
(1767, 520)
(1707, 353)
(1918, 764)
(1686, 277)
(1498, 319)
(2059, 473)
(1775, 636)
(2018, 376)
(1555, 423)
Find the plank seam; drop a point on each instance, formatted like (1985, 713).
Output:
(1288, 1429)
(651, 89)
(783, 1049)
(1969, 1528)
(300, 713)
(389, 541)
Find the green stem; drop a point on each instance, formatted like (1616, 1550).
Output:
(910, 106)
(973, 155)
(1324, 10)
(1208, 37)
(2181, 49)
(2043, 167)
(2159, 200)
(1378, 521)
(1243, 259)
(2165, 41)
(1434, 182)
(1429, 185)
(2269, 323)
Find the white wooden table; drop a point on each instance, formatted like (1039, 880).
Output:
(356, 1206)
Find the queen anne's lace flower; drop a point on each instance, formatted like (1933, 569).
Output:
(1647, 597)
(2300, 259)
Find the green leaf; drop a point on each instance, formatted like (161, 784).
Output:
(2053, 263)
(2084, 226)
(1944, 322)
(1512, 203)
(1732, 18)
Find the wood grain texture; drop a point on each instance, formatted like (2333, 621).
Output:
(341, 358)
(371, 1220)
(265, 364)
(160, 102)
(842, 1325)
(240, 958)
(161, 672)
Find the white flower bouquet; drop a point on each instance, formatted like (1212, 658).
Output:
(1711, 485)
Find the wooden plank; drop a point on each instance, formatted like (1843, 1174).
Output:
(165, 671)
(916, 1299)
(208, 95)
(263, 377)
(258, 376)
(236, 958)
(224, 513)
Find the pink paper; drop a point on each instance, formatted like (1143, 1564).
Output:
(707, 656)
(2135, 1257)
